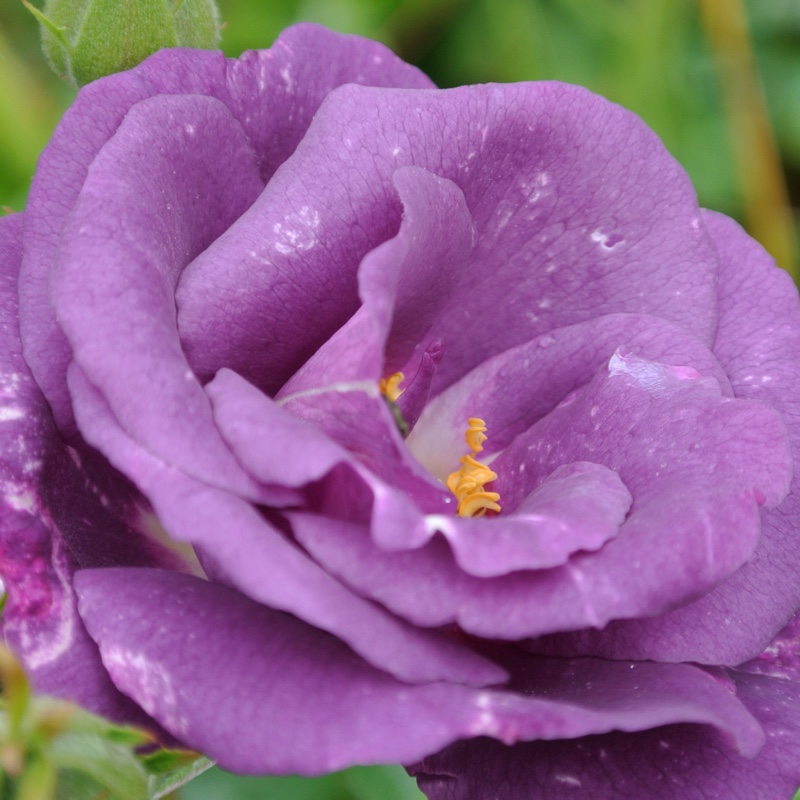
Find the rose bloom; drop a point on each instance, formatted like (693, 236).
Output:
(347, 420)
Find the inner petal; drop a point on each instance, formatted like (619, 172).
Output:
(579, 506)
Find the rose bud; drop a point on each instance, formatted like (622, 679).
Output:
(86, 39)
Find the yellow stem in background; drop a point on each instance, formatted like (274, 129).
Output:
(768, 213)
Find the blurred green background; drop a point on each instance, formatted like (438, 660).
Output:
(719, 81)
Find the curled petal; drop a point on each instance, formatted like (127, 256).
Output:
(569, 197)
(154, 197)
(682, 494)
(759, 345)
(662, 763)
(404, 283)
(273, 94)
(263, 564)
(516, 388)
(42, 533)
(579, 507)
(261, 666)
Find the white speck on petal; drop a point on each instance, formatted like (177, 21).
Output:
(19, 497)
(297, 233)
(9, 413)
(149, 682)
(607, 240)
(40, 647)
(568, 780)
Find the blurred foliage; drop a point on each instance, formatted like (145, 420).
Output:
(358, 783)
(51, 749)
(651, 56)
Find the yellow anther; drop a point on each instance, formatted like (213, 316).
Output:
(467, 483)
(476, 434)
(390, 387)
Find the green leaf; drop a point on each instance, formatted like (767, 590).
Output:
(114, 767)
(171, 769)
(16, 692)
(86, 39)
(37, 782)
(56, 30)
(75, 785)
(367, 783)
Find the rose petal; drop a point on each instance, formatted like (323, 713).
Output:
(426, 587)
(662, 764)
(578, 507)
(265, 565)
(363, 424)
(575, 203)
(682, 494)
(414, 398)
(272, 93)
(759, 345)
(261, 667)
(40, 620)
(514, 389)
(154, 197)
(655, 424)
(781, 659)
(403, 284)
(344, 425)
(256, 429)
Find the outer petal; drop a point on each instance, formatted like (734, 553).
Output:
(759, 345)
(575, 203)
(308, 704)
(157, 193)
(686, 761)
(48, 505)
(272, 93)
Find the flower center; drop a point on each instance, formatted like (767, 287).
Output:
(390, 387)
(467, 483)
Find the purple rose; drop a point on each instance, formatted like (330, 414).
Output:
(348, 420)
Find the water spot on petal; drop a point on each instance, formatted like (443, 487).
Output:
(607, 240)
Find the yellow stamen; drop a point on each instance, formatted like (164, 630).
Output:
(390, 387)
(467, 482)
